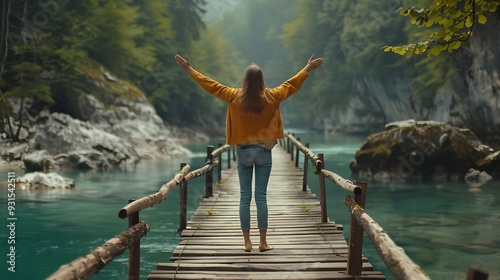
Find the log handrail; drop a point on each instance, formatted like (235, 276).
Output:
(400, 265)
(355, 238)
(221, 150)
(201, 171)
(85, 267)
(161, 194)
(306, 151)
(337, 179)
(153, 199)
(88, 265)
(341, 182)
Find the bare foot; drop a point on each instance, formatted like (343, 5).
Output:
(248, 247)
(266, 247)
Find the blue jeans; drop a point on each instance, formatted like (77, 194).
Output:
(249, 157)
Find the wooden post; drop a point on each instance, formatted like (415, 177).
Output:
(297, 155)
(395, 259)
(322, 191)
(229, 158)
(355, 250)
(219, 166)
(291, 149)
(304, 177)
(288, 144)
(134, 252)
(234, 153)
(474, 274)
(210, 174)
(183, 204)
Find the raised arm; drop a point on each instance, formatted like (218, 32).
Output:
(292, 85)
(209, 85)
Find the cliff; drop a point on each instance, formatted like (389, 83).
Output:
(472, 100)
(103, 123)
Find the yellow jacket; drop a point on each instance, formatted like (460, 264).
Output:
(244, 128)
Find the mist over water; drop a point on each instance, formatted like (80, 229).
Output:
(443, 227)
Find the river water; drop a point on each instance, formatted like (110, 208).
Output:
(443, 227)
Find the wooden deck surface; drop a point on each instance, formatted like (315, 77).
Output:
(304, 248)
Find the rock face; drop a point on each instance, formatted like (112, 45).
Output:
(111, 126)
(472, 102)
(424, 150)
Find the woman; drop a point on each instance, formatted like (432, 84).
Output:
(253, 123)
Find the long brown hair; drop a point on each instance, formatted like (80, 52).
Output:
(252, 95)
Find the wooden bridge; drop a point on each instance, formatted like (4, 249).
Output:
(307, 244)
(305, 247)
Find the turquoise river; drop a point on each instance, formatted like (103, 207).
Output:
(443, 227)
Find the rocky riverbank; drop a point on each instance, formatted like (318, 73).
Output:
(110, 125)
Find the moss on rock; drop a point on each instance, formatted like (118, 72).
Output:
(423, 150)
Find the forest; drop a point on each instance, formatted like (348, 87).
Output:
(45, 44)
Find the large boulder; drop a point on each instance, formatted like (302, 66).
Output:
(422, 150)
(76, 144)
(40, 180)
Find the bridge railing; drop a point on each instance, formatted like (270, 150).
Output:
(394, 257)
(86, 266)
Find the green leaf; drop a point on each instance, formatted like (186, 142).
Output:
(399, 50)
(493, 7)
(481, 19)
(469, 22)
(409, 53)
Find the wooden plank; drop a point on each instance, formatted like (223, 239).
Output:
(221, 252)
(160, 274)
(299, 239)
(298, 266)
(262, 258)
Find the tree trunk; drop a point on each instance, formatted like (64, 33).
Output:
(4, 34)
(86, 266)
(4, 45)
(20, 118)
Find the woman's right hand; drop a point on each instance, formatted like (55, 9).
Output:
(314, 63)
(184, 63)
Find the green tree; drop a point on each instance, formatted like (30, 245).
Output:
(188, 20)
(217, 58)
(23, 79)
(451, 23)
(166, 85)
(116, 33)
